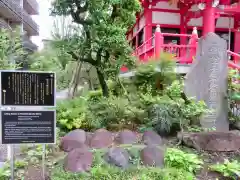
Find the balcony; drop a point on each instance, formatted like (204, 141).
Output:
(13, 12)
(31, 6)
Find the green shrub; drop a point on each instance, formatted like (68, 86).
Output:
(71, 114)
(95, 95)
(112, 173)
(233, 95)
(116, 113)
(181, 160)
(227, 169)
(157, 74)
(153, 98)
(173, 110)
(163, 116)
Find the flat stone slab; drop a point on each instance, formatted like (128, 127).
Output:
(212, 141)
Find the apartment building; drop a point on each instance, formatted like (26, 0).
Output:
(18, 12)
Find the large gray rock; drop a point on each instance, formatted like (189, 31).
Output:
(212, 141)
(152, 156)
(126, 137)
(78, 160)
(118, 157)
(207, 80)
(151, 138)
(72, 140)
(101, 139)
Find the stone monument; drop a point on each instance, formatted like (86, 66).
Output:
(207, 80)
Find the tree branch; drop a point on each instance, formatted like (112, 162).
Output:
(82, 8)
(114, 12)
(77, 58)
(99, 55)
(88, 41)
(76, 14)
(106, 58)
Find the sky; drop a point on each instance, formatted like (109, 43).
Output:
(44, 21)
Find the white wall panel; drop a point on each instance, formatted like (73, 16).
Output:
(195, 22)
(165, 18)
(223, 22)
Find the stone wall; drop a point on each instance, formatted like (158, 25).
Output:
(207, 80)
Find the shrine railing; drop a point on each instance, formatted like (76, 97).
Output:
(235, 60)
(154, 46)
(184, 54)
(145, 47)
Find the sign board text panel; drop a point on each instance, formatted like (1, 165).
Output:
(19, 127)
(20, 88)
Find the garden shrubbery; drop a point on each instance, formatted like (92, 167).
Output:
(153, 98)
(234, 95)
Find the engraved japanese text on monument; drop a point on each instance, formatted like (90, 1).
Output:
(210, 69)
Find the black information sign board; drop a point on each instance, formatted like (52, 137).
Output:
(20, 127)
(23, 88)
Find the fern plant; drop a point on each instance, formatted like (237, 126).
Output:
(162, 117)
(157, 73)
(228, 169)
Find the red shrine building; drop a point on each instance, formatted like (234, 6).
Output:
(176, 21)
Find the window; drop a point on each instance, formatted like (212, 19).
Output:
(140, 38)
(169, 39)
(225, 36)
(134, 43)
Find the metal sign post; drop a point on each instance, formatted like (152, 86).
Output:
(43, 160)
(12, 166)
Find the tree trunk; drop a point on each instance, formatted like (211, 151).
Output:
(75, 88)
(89, 78)
(71, 84)
(103, 83)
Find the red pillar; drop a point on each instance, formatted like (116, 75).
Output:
(183, 29)
(236, 39)
(236, 44)
(183, 24)
(148, 29)
(208, 18)
(148, 24)
(158, 42)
